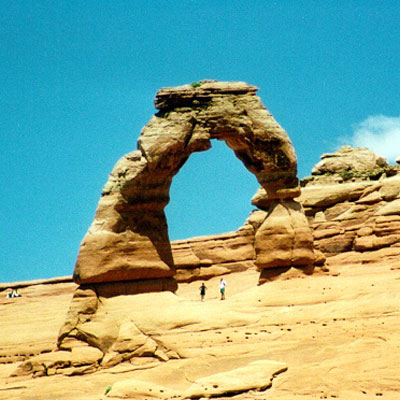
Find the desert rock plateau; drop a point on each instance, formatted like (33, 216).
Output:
(331, 335)
(313, 276)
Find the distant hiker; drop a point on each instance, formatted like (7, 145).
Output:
(222, 284)
(13, 293)
(203, 289)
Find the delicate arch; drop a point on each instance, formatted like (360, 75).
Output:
(128, 239)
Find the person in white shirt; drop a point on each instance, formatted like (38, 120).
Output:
(222, 284)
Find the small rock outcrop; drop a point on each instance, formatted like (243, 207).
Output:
(256, 376)
(349, 164)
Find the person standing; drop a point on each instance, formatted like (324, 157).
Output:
(203, 289)
(222, 285)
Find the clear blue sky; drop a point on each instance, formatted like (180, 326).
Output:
(78, 80)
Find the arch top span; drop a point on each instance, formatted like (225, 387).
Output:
(232, 112)
(128, 239)
(202, 92)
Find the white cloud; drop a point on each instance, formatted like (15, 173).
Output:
(379, 133)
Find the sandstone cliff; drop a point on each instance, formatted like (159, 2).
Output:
(357, 219)
(352, 202)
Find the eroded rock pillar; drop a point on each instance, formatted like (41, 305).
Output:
(284, 239)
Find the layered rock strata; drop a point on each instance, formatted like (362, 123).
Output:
(352, 202)
(358, 218)
(207, 256)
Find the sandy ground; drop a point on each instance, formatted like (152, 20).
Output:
(338, 334)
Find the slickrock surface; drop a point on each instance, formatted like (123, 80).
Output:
(330, 335)
(30, 324)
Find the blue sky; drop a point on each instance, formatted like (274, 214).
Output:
(79, 79)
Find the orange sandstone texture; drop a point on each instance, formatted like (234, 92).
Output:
(330, 335)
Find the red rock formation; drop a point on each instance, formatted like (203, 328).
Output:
(208, 256)
(360, 215)
(128, 239)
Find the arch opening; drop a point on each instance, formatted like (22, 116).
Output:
(210, 194)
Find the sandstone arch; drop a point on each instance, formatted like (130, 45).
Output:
(128, 239)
